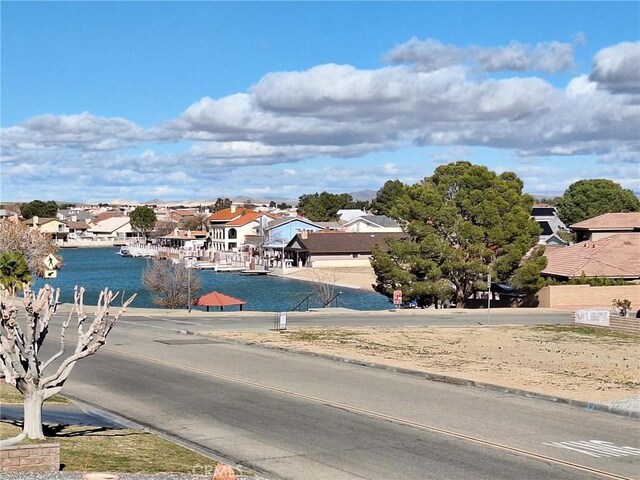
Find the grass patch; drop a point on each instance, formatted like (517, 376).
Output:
(86, 449)
(9, 395)
(587, 331)
(320, 335)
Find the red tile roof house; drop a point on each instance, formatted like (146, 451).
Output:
(602, 226)
(336, 249)
(229, 227)
(609, 248)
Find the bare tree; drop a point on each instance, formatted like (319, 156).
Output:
(33, 244)
(324, 285)
(171, 284)
(20, 360)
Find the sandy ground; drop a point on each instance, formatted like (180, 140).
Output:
(352, 277)
(561, 361)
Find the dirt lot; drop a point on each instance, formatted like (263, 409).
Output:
(579, 363)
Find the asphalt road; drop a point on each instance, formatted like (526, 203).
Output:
(261, 321)
(300, 417)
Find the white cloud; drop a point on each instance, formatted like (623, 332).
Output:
(339, 111)
(430, 55)
(617, 68)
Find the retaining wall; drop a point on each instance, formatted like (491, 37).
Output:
(44, 457)
(574, 297)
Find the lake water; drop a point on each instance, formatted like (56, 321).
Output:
(96, 268)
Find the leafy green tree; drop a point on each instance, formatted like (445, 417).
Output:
(14, 271)
(464, 222)
(143, 219)
(386, 197)
(323, 207)
(586, 199)
(528, 277)
(38, 208)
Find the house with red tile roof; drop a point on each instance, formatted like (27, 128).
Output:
(616, 256)
(605, 225)
(230, 227)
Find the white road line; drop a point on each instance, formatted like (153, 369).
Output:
(597, 448)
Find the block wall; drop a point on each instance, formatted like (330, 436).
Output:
(43, 457)
(575, 297)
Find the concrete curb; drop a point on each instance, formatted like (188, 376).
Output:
(246, 471)
(436, 377)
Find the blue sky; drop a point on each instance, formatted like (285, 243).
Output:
(105, 101)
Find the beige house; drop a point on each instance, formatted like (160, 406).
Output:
(114, 229)
(51, 226)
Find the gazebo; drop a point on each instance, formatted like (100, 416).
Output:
(217, 299)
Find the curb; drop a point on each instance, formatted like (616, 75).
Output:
(246, 471)
(437, 377)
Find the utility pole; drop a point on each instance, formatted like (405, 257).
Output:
(489, 299)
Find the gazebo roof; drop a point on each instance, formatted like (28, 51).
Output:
(217, 299)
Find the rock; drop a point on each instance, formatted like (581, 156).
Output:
(223, 472)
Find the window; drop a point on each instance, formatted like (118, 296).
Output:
(355, 255)
(233, 233)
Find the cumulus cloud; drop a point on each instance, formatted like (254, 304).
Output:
(430, 55)
(82, 131)
(427, 96)
(617, 68)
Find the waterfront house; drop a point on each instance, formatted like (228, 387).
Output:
(50, 226)
(111, 229)
(278, 233)
(373, 224)
(336, 249)
(230, 228)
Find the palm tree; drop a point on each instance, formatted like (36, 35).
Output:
(14, 271)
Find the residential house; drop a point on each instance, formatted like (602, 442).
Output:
(614, 256)
(279, 232)
(372, 223)
(51, 226)
(605, 225)
(77, 229)
(74, 215)
(348, 214)
(335, 249)
(550, 224)
(112, 229)
(229, 228)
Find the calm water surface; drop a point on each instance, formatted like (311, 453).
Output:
(96, 268)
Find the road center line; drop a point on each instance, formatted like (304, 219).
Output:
(397, 420)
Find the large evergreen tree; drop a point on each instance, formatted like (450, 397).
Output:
(38, 208)
(323, 207)
(387, 196)
(14, 271)
(464, 222)
(589, 198)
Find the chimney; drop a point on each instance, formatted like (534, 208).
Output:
(304, 234)
(35, 220)
(233, 208)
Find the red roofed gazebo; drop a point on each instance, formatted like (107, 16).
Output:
(217, 299)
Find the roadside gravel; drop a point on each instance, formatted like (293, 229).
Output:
(121, 476)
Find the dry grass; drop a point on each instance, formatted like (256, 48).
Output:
(581, 363)
(87, 449)
(10, 396)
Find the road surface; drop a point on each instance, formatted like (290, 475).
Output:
(299, 417)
